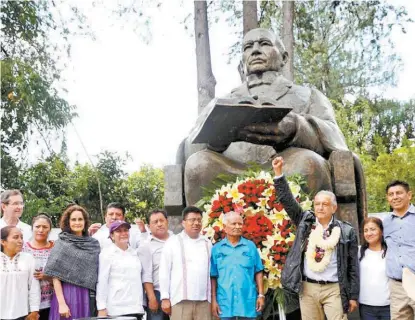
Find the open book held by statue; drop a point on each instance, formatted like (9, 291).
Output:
(221, 121)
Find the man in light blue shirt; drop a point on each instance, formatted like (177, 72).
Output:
(236, 274)
(399, 233)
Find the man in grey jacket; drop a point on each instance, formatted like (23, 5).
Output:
(322, 265)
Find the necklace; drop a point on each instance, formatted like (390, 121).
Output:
(320, 248)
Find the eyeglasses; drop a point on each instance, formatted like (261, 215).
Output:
(194, 220)
(16, 204)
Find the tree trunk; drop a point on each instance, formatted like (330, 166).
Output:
(250, 15)
(206, 81)
(288, 37)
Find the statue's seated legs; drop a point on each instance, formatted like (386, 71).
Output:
(204, 166)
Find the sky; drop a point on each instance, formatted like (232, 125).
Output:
(141, 98)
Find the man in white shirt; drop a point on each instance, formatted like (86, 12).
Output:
(12, 207)
(150, 250)
(185, 271)
(115, 211)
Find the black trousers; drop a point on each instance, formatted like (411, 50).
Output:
(138, 316)
(44, 314)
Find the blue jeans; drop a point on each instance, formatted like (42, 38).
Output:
(374, 312)
(159, 315)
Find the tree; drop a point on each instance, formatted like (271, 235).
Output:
(144, 191)
(346, 47)
(372, 127)
(398, 164)
(51, 184)
(46, 187)
(288, 37)
(206, 81)
(341, 46)
(30, 98)
(250, 15)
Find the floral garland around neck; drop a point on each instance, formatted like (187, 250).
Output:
(320, 248)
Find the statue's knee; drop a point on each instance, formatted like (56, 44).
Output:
(197, 164)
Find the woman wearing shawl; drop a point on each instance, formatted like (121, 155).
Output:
(73, 264)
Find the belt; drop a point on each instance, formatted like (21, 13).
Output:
(318, 281)
(399, 280)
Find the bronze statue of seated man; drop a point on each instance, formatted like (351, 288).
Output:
(305, 137)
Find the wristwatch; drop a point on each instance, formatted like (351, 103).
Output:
(261, 295)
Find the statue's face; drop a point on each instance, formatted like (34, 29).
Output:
(260, 53)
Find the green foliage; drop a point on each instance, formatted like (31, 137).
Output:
(47, 188)
(399, 164)
(144, 191)
(340, 46)
(345, 47)
(50, 185)
(375, 127)
(31, 63)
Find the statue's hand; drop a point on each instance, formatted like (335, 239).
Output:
(272, 134)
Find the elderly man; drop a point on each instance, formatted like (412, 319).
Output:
(115, 211)
(305, 137)
(400, 238)
(185, 271)
(12, 207)
(150, 250)
(322, 265)
(236, 274)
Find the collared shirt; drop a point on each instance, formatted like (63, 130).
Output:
(150, 251)
(184, 271)
(235, 268)
(330, 273)
(120, 281)
(103, 233)
(24, 227)
(19, 290)
(399, 233)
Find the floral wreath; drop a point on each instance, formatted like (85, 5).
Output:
(265, 221)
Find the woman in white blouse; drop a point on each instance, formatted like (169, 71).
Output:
(120, 286)
(19, 290)
(374, 302)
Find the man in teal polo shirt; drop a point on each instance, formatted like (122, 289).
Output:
(236, 274)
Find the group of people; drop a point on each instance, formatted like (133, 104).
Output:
(115, 270)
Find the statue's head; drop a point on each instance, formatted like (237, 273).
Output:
(263, 51)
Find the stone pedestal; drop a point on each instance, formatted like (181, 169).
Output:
(173, 189)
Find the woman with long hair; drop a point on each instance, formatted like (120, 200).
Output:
(19, 289)
(374, 301)
(73, 265)
(40, 248)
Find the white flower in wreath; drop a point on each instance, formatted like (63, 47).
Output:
(306, 204)
(295, 189)
(235, 194)
(210, 232)
(276, 217)
(262, 203)
(269, 242)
